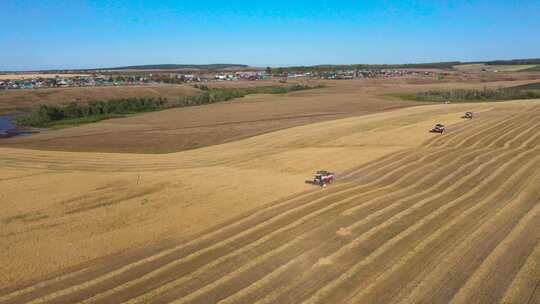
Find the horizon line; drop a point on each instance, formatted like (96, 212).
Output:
(264, 66)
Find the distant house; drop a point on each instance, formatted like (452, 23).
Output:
(61, 82)
(231, 77)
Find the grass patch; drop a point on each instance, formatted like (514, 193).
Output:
(462, 95)
(403, 96)
(74, 122)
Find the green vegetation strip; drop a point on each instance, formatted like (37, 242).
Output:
(514, 62)
(68, 123)
(462, 95)
(73, 114)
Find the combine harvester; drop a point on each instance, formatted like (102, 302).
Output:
(468, 115)
(323, 177)
(438, 128)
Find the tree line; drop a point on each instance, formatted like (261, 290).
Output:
(485, 94)
(514, 61)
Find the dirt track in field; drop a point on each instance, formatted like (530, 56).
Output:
(414, 217)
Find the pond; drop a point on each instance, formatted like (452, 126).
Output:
(5, 125)
(8, 129)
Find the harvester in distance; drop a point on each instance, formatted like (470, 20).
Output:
(438, 128)
(468, 115)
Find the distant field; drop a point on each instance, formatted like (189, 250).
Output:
(46, 116)
(529, 86)
(477, 67)
(535, 68)
(194, 127)
(25, 76)
(11, 100)
(475, 95)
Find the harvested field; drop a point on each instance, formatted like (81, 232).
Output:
(24, 99)
(414, 217)
(478, 67)
(193, 127)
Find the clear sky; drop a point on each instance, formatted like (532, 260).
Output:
(86, 34)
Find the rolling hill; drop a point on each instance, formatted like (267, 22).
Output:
(414, 216)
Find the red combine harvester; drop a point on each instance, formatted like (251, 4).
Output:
(323, 177)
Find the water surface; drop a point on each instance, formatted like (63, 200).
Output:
(8, 129)
(5, 125)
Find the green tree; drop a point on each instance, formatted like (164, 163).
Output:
(72, 110)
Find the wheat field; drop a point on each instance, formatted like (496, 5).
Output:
(413, 217)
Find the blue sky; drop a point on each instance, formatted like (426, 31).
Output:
(87, 34)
